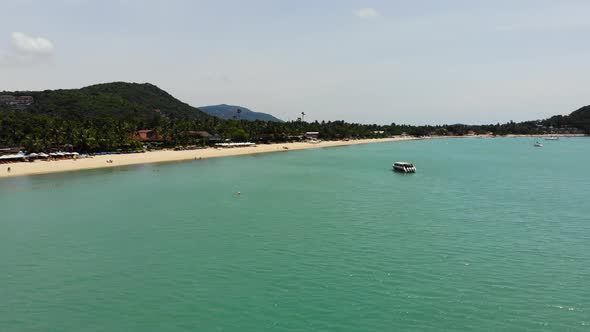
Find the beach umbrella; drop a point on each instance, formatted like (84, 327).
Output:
(12, 156)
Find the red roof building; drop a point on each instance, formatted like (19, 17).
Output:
(147, 135)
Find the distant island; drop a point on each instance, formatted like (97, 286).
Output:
(229, 112)
(124, 116)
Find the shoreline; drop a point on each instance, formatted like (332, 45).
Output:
(39, 167)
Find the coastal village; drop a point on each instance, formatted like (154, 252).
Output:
(202, 139)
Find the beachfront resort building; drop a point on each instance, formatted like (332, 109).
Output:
(147, 135)
(205, 137)
(19, 102)
(151, 136)
(312, 135)
(6, 150)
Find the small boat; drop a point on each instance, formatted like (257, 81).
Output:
(552, 138)
(538, 144)
(404, 167)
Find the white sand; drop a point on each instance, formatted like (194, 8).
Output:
(44, 167)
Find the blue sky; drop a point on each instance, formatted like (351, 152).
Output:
(420, 61)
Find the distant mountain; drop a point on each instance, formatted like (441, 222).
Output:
(118, 100)
(230, 112)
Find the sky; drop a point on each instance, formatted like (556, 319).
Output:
(370, 61)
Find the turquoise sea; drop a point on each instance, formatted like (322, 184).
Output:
(489, 235)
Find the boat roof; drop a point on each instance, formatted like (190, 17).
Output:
(402, 163)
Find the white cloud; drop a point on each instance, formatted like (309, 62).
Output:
(27, 51)
(31, 45)
(367, 12)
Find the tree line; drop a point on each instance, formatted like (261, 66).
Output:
(42, 132)
(107, 117)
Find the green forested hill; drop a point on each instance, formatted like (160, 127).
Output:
(581, 118)
(119, 100)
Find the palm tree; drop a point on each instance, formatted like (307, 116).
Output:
(57, 133)
(238, 111)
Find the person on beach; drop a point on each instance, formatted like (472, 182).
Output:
(8, 170)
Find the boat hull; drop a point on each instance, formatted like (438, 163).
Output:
(404, 169)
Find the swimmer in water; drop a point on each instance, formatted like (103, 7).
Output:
(238, 193)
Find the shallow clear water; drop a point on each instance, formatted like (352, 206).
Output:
(490, 234)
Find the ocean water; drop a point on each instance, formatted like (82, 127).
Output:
(489, 234)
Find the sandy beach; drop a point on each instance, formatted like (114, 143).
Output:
(45, 167)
